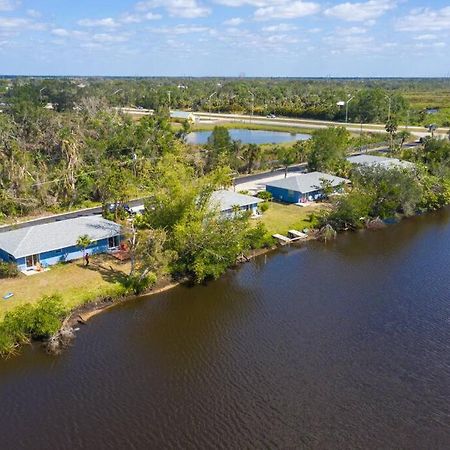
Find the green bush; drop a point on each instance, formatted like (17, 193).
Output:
(265, 195)
(28, 322)
(47, 316)
(8, 270)
(258, 237)
(264, 206)
(138, 284)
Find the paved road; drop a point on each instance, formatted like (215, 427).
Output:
(294, 122)
(309, 123)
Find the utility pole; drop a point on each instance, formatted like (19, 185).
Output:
(346, 107)
(253, 101)
(389, 108)
(209, 100)
(168, 93)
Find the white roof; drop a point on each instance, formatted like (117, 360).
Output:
(307, 182)
(225, 200)
(380, 161)
(181, 115)
(37, 239)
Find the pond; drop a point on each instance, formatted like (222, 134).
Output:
(249, 136)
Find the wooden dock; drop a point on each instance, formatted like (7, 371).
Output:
(283, 240)
(295, 235)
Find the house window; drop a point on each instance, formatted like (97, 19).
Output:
(113, 242)
(32, 260)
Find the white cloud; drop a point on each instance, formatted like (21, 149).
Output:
(181, 29)
(286, 10)
(107, 22)
(138, 18)
(350, 43)
(8, 5)
(20, 24)
(106, 38)
(426, 19)
(360, 12)
(426, 37)
(239, 3)
(282, 27)
(61, 32)
(234, 22)
(351, 31)
(33, 13)
(188, 9)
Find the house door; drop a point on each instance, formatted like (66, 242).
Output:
(32, 260)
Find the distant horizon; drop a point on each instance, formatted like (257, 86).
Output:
(233, 77)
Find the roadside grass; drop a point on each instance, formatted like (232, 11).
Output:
(280, 218)
(73, 282)
(251, 126)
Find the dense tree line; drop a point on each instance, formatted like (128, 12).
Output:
(368, 100)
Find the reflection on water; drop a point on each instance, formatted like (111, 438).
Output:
(249, 136)
(344, 345)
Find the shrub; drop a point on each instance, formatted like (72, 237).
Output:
(138, 284)
(265, 195)
(28, 322)
(47, 316)
(263, 207)
(8, 270)
(258, 237)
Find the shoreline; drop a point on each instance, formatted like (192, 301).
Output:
(82, 314)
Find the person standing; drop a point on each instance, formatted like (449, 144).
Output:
(86, 258)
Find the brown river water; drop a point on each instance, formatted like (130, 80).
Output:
(337, 346)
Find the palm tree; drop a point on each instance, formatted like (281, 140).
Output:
(84, 241)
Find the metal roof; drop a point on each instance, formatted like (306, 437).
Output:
(308, 182)
(46, 237)
(225, 200)
(380, 161)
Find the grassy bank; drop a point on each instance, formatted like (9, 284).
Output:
(73, 282)
(280, 218)
(250, 126)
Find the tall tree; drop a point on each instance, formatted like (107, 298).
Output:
(328, 149)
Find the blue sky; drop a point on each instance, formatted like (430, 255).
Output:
(225, 37)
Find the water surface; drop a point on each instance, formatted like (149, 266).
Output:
(333, 346)
(249, 136)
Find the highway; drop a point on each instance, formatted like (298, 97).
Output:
(310, 123)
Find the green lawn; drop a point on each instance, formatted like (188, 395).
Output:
(76, 284)
(280, 218)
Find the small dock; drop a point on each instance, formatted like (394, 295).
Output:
(295, 235)
(283, 240)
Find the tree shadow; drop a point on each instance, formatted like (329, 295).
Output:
(107, 272)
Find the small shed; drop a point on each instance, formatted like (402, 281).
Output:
(304, 188)
(51, 243)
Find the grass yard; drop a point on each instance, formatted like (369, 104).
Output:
(76, 284)
(280, 218)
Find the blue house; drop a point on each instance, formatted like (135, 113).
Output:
(51, 243)
(303, 188)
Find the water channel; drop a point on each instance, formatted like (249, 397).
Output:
(325, 346)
